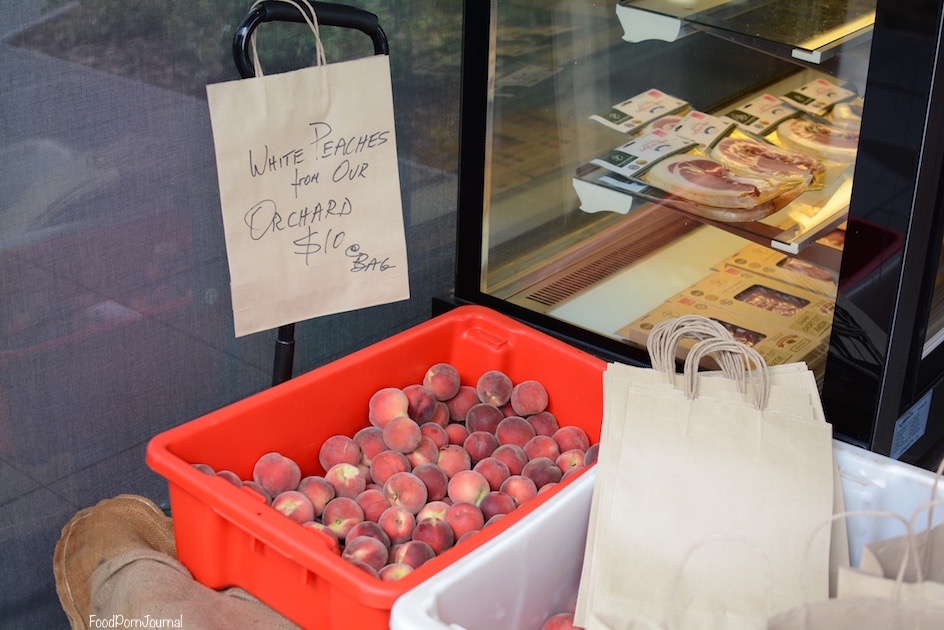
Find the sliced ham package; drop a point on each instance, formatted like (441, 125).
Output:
(819, 139)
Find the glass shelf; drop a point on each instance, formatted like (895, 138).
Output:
(809, 31)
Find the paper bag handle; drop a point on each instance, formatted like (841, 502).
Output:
(327, 13)
(899, 579)
(665, 337)
(737, 356)
(921, 562)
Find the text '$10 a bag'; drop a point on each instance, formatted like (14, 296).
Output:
(310, 190)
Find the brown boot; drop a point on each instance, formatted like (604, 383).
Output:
(97, 534)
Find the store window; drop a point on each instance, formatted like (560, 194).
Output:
(116, 320)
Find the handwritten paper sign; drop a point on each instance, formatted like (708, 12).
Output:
(310, 192)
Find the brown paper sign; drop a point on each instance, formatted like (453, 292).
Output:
(310, 192)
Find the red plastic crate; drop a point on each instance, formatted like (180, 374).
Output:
(228, 537)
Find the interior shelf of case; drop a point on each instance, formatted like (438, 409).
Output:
(794, 229)
(806, 30)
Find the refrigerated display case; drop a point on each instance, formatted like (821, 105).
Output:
(772, 164)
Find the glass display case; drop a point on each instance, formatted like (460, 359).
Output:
(771, 164)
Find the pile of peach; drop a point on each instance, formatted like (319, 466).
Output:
(438, 461)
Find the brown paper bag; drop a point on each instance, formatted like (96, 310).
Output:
(897, 585)
(310, 191)
(687, 469)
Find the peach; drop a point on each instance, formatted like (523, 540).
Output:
(469, 486)
(366, 568)
(479, 445)
(318, 490)
(230, 476)
(494, 519)
(463, 517)
(494, 470)
(508, 410)
(483, 417)
(546, 488)
(402, 434)
(542, 446)
(366, 549)
(370, 440)
(397, 523)
(426, 453)
(440, 414)
(572, 472)
(460, 404)
(520, 488)
(542, 471)
(341, 514)
(544, 423)
(435, 479)
(386, 404)
(395, 571)
(414, 553)
(570, 437)
(433, 509)
(387, 463)
(497, 502)
(457, 433)
(436, 533)
(326, 532)
(513, 455)
(494, 387)
(442, 379)
(369, 529)
(276, 473)
(590, 457)
(528, 398)
(570, 460)
(257, 489)
(406, 490)
(205, 469)
(339, 449)
(436, 433)
(422, 403)
(347, 480)
(453, 458)
(559, 621)
(294, 505)
(468, 534)
(373, 502)
(514, 430)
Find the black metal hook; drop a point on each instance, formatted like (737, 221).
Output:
(328, 14)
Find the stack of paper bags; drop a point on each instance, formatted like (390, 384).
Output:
(709, 486)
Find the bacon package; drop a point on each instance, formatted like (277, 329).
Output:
(704, 180)
(819, 139)
(763, 159)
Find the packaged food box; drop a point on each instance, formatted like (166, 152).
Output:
(776, 345)
(227, 536)
(777, 265)
(754, 297)
(533, 572)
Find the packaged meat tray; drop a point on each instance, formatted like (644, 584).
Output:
(754, 297)
(776, 345)
(774, 264)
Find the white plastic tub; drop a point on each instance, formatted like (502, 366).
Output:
(532, 571)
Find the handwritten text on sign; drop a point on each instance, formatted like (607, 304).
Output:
(301, 169)
(310, 192)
